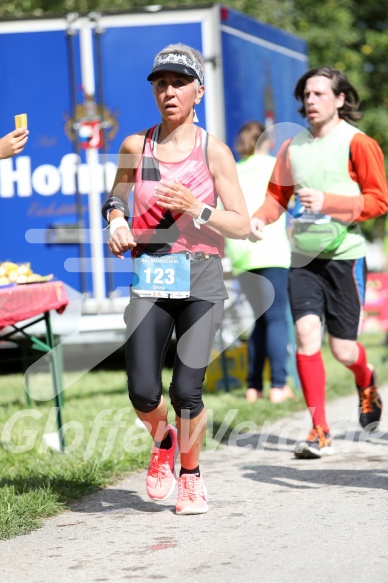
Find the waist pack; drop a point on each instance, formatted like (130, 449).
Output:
(319, 238)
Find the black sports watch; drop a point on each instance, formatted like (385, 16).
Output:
(204, 216)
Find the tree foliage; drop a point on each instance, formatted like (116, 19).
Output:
(351, 35)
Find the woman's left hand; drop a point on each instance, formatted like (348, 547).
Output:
(176, 197)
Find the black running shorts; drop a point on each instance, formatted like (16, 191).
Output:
(332, 289)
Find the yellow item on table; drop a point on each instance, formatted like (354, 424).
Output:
(20, 273)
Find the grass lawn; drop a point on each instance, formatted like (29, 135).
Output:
(101, 438)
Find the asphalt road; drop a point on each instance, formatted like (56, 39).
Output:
(272, 518)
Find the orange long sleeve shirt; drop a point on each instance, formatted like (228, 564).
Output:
(366, 167)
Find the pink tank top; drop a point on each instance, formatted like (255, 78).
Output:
(158, 230)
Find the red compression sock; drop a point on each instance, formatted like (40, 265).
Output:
(312, 377)
(362, 373)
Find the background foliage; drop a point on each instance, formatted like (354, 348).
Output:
(351, 35)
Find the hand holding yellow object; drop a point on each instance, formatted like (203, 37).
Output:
(13, 143)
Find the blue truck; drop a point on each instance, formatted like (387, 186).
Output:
(82, 82)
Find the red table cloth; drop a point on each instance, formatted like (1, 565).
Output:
(21, 302)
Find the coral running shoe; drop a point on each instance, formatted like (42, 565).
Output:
(160, 480)
(192, 495)
(317, 444)
(370, 404)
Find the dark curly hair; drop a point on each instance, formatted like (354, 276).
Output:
(339, 84)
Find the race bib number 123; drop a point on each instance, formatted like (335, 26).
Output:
(162, 276)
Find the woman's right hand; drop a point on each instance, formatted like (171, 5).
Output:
(121, 241)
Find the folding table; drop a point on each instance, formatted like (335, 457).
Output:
(33, 302)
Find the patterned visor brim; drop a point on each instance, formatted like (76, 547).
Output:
(178, 64)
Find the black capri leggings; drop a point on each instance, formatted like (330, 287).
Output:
(150, 324)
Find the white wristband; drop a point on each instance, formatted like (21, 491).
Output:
(116, 223)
